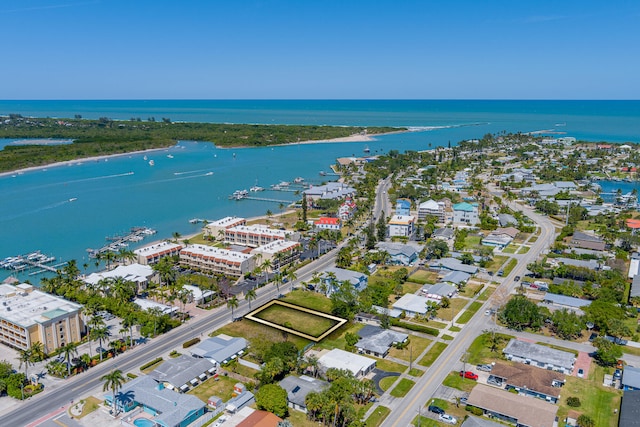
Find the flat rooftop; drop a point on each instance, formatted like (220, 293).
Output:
(24, 305)
(218, 253)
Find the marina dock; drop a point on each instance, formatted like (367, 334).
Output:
(31, 260)
(136, 234)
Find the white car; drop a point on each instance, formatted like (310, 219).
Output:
(446, 418)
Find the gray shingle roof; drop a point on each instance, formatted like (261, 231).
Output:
(631, 377)
(397, 249)
(590, 264)
(298, 388)
(378, 340)
(219, 348)
(479, 422)
(456, 277)
(566, 301)
(453, 264)
(630, 409)
(181, 370)
(536, 352)
(441, 289)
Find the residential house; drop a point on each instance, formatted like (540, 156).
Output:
(401, 225)
(452, 264)
(412, 305)
(501, 237)
(197, 294)
(445, 234)
(399, 254)
(165, 406)
(139, 274)
(505, 220)
(559, 302)
(220, 349)
(431, 208)
(630, 378)
(513, 408)
(29, 316)
(147, 304)
(438, 291)
(182, 373)
(471, 421)
(529, 381)
(151, 254)
(298, 388)
(327, 223)
(358, 365)
(540, 356)
(330, 191)
(630, 409)
(458, 278)
(634, 292)
(377, 341)
(634, 265)
(403, 207)
(591, 264)
(333, 276)
(465, 214)
(587, 241)
(347, 209)
(367, 318)
(260, 419)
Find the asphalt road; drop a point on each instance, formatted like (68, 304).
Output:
(48, 401)
(403, 411)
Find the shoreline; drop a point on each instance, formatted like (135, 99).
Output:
(351, 138)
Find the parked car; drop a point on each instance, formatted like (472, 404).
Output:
(436, 409)
(487, 312)
(470, 375)
(580, 373)
(500, 272)
(446, 418)
(494, 381)
(620, 364)
(617, 374)
(485, 368)
(517, 278)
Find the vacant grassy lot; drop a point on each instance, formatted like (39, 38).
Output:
(90, 404)
(479, 351)
(433, 353)
(486, 293)
(597, 401)
(377, 417)
(336, 338)
(469, 312)
(456, 381)
(422, 277)
(471, 289)
(496, 263)
(472, 241)
(402, 388)
(450, 312)
(307, 323)
(410, 287)
(252, 331)
(223, 388)
(414, 349)
(312, 300)
(510, 266)
(511, 249)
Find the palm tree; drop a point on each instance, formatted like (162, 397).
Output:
(126, 255)
(250, 296)
(232, 303)
(37, 349)
(291, 277)
(26, 358)
(128, 321)
(176, 236)
(100, 334)
(113, 380)
(69, 350)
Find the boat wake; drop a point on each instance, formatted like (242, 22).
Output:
(181, 178)
(190, 172)
(429, 128)
(40, 209)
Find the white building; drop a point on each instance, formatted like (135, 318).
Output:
(289, 252)
(216, 229)
(431, 208)
(401, 225)
(151, 254)
(465, 214)
(340, 359)
(255, 235)
(216, 260)
(139, 274)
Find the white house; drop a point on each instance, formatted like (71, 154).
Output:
(465, 214)
(340, 359)
(401, 225)
(431, 208)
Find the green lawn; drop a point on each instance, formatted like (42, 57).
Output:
(472, 241)
(90, 404)
(414, 372)
(510, 266)
(450, 312)
(377, 417)
(414, 349)
(223, 388)
(252, 332)
(470, 289)
(487, 293)
(446, 337)
(433, 353)
(312, 300)
(410, 287)
(511, 249)
(389, 366)
(469, 312)
(422, 276)
(524, 249)
(387, 382)
(496, 263)
(479, 352)
(298, 320)
(454, 329)
(597, 401)
(402, 388)
(336, 338)
(456, 381)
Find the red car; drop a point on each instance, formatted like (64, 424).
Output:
(470, 375)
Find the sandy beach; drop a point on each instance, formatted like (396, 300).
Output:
(351, 138)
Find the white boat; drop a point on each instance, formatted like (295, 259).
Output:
(170, 156)
(145, 158)
(73, 199)
(256, 188)
(208, 174)
(367, 150)
(299, 180)
(151, 163)
(284, 184)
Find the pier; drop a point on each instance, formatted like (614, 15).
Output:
(266, 199)
(31, 260)
(118, 242)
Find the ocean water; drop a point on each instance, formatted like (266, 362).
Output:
(110, 196)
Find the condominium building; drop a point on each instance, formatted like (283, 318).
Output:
(28, 315)
(216, 260)
(465, 214)
(431, 208)
(289, 252)
(151, 254)
(401, 225)
(255, 235)
(216, 229)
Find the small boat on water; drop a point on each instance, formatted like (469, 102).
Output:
(323, 173)
(256, 188)
(284, 184)
(170, 156)
(73, 199)
(367, 150)
(144, 158)
(299, 180)
(239, 195)
(151, 163)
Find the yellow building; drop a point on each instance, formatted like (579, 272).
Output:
(28, 315)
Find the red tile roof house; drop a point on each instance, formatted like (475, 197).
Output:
(327, 223)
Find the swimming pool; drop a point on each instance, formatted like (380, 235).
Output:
(143, 422)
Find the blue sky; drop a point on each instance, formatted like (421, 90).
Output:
(321, 49)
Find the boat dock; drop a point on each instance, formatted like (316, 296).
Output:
(31, 260)
(267, 199)
(136, 234)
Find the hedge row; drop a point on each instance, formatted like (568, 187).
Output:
(414, 327)
(153, 362)
(190, 342)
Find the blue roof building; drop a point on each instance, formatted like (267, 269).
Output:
(403, 207)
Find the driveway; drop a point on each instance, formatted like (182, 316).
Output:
(380, 374)
(583, 361)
